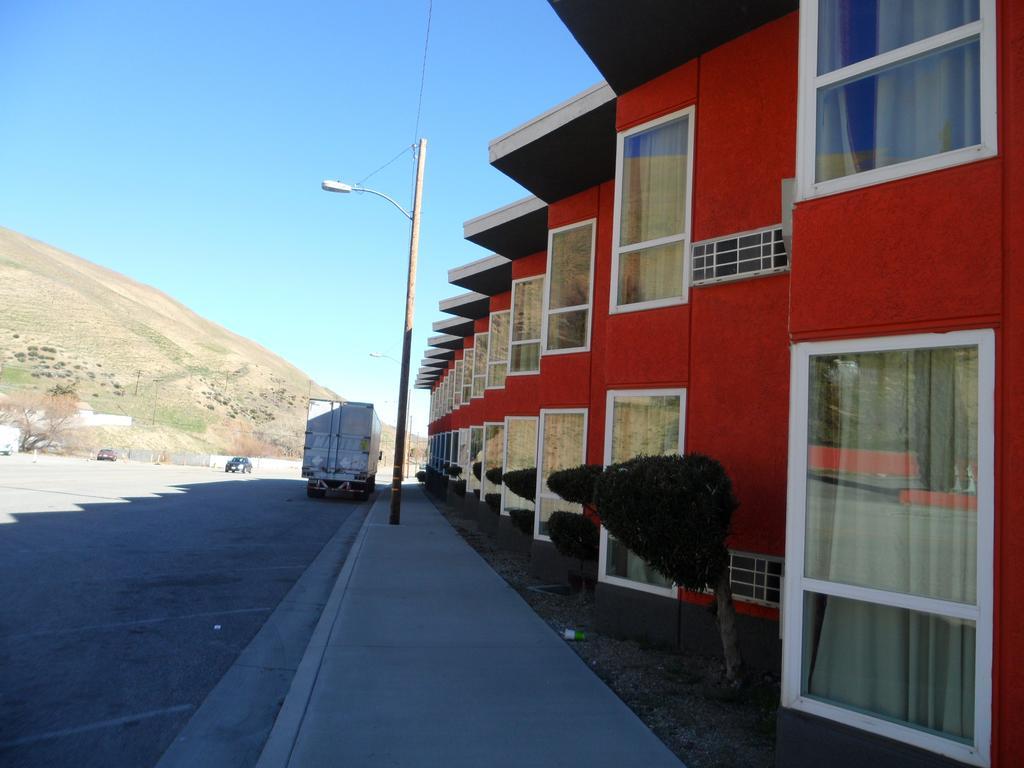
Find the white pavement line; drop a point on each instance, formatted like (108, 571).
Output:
(138, 622)
(94, 726)
(277, 751)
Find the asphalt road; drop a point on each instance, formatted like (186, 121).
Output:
(127, 591)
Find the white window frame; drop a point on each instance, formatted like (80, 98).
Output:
(683, 238)
(472, 484)
(457, 385)
(546, 312)
(465, 367)
(511, 322)
(507, 349)
(483, 455)
(795, 583)
(474, 377)
(810, 82)
(541, 481)
(463, 443)
(504, 458)
(602, 560)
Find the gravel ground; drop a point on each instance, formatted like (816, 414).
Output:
(681, 697)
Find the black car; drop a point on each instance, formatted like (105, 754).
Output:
(238, 464)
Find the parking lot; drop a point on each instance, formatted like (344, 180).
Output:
(129, 590)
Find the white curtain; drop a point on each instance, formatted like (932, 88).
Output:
(891, 506)
(914, 109)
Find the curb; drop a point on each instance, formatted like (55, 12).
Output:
(277, 750)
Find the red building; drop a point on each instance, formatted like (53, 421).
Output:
(789, 238)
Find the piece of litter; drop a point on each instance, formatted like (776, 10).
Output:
(574, 634)
(216, 626)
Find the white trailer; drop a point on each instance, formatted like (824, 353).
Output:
(10, 440)
(342, 448)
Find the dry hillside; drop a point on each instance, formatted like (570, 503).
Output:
(125, 347)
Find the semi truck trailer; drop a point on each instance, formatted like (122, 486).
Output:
(342, 448)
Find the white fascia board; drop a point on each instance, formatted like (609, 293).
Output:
(454, 302)
(502, 215)
(444, 338)
(476, 267)
(550, 121)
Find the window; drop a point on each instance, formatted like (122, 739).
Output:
(476, 453)
(639, 423)
(889, 620)
(493, 453)
(457, 386)
(527, 309)
(497, 355)
(747, 254)
(652, 213)
(480, 365)
(453, 446)
(520, 453)
(463, 459)
(891, 88)
(467, 376)
(563, 443)
(570, 284)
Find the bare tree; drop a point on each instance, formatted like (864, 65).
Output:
(42, 419)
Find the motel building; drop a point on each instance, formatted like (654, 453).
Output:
(788, 235)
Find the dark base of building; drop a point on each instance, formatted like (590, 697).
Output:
(466, 509)
(511, 538)
(486, 519)
(547, 564)
(807, 741)
(671, 623)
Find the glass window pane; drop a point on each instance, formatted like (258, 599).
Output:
(494, 449)
(891, 470)
(522, 454)
(905, 666)
(649, 274)
(849, 32)
(645, 426)
(917, 108)
(562, 448)
(476, 447)
(525, 358)
(568, 330)
(569, 281)
(623, 563)
(527, 307)
(480, 358)
(496, 374)
(653, 182)
(550, 504)
(498, 338)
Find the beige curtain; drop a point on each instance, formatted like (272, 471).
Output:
(891, 506)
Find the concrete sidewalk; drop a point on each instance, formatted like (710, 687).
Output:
(424, 656)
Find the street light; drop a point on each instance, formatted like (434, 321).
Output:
(410, 299)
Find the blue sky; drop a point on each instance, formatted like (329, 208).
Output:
(183, 144)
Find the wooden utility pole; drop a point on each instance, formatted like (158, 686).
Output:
(410, 300)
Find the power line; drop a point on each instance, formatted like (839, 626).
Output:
(423, 71)
(410, 148)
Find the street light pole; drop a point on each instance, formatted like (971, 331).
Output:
(410, 300)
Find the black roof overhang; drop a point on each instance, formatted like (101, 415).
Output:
(633, 41)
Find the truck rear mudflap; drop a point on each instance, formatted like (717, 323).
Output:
(318, 488)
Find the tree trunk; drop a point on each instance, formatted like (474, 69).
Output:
(727, 629)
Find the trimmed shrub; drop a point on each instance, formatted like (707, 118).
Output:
(522, 482)
(523, 519)
(477, 466)
(574, 536)
(576, 485)
(674, 512)
(454, 470)
(494, 475)
(493, 501)
(421, 476)
(459, 487)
